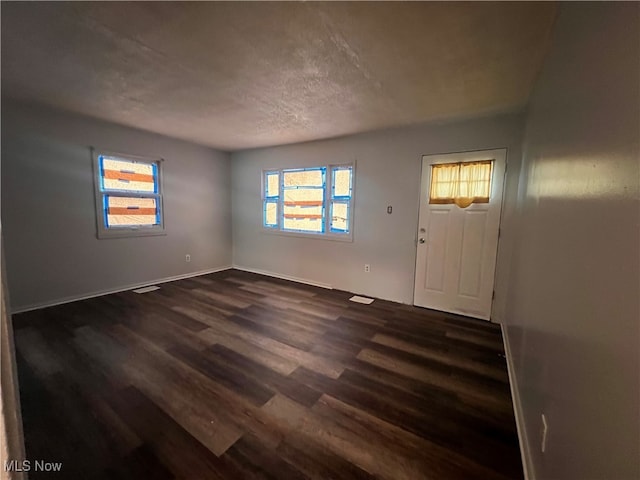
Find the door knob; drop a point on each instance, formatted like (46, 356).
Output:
(421, 240)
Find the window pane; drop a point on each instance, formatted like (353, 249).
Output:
(273, 184)
(304, 192)
(314, 225)
(304, 196)
(342, 182)
(307, 178)
(127, 176)
(304, 215)
(271, 214)
(131, 211)
(340, 217)
(302, 211)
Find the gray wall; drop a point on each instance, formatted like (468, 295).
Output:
(387, 173)
(573, 312)
(49, 219)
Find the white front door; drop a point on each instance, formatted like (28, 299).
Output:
(456, 249)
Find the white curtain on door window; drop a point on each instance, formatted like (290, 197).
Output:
(461, 183)
(444, 182)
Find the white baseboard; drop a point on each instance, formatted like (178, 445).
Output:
(525, 452)
(76, 298)
(283, 277)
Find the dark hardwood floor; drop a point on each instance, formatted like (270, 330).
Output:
(238, 376)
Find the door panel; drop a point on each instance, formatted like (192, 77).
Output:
(473, 235)
(457, 247)
(436, 255)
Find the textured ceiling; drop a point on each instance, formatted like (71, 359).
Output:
(236, 75)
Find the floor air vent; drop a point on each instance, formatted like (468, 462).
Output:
(359, 299)
(147, 289)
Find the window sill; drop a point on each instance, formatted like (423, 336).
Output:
(311, 236)
(129, 233)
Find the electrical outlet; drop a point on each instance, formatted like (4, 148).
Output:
(187, 258)
(543, 434)
(367, 268)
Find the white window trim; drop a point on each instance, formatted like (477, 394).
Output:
(327, 234)
(131, 231)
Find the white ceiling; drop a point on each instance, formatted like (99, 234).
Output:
(236, 75)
